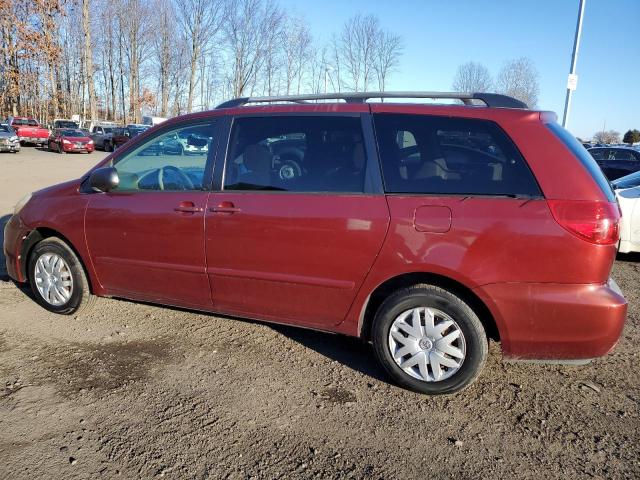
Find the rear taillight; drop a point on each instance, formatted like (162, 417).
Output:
(593, 221)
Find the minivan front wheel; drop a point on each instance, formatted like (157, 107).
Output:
(429, 340)
(57, 278)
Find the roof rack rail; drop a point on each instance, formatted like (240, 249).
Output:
(489, 99)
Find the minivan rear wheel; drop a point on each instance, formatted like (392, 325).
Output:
(57, 278)
(429, 340)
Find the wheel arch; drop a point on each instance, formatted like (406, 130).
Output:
(383, 290)
(36, 236)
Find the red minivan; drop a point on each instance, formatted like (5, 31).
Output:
(425, 229)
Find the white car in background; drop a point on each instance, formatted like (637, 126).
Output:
(627, 190)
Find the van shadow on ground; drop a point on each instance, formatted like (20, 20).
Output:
(351, 352)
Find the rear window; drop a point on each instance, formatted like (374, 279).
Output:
(585, 158)
(450, 156)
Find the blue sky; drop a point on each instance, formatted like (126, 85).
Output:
(440, 35)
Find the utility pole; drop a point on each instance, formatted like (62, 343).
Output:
(572, 81)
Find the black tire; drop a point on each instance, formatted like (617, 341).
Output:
(107, 146)
(431, 296)
(81, 298)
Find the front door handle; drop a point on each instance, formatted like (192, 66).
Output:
(225, 207)
(188, 207)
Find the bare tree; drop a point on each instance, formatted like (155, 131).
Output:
(358, 45)
(386, 57)
(199, 21)
(247, 27)
(88, 57)
(607, 136)
(365, 53)
(518, 78)
(135, 29)
(108, 53)
(296, 41)
(163, 38)
(472, 77)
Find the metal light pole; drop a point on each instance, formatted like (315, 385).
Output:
(572, 81)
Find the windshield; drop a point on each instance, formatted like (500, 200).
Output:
(6, 129)
(628, 181)
(72, 133)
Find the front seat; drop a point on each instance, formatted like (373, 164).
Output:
(257, 160)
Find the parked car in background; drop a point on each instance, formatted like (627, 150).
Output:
(118, 137)
(65, 140)
(423, 229)
(185, 144)
(29, 130)
(616, 162)
(9, 141)
(153, 121)
(89, 124)
(627, 190)
(121, 135)
(63, 123)
(101, 134)
(137, 128)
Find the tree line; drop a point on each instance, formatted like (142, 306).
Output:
(517, 78)
(612, 136)
(121, 59)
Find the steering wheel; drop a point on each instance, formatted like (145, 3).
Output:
(187, 184)
(186, 181)
(289, 170)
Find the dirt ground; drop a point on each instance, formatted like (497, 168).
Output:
(139, 391)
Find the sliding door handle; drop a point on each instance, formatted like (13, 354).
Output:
(225, 207)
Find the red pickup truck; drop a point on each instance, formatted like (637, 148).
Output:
(29, 130)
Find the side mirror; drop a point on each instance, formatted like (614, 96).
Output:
(104, 179)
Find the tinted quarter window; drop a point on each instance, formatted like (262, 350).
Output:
(296, 154)
(440, 155)
(587, 160)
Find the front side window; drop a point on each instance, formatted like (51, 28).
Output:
(296, 154)
(599, 153)
(171, 160)
(441, 155)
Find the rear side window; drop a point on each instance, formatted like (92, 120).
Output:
(621, 154)
(599, 153)
(296, 154)
(585, 158)
(450, 156)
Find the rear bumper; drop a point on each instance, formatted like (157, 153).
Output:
(547, 321)
(15, 147)
(34, 140)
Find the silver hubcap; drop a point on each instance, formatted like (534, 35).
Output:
(53, 279)
(427, 344)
